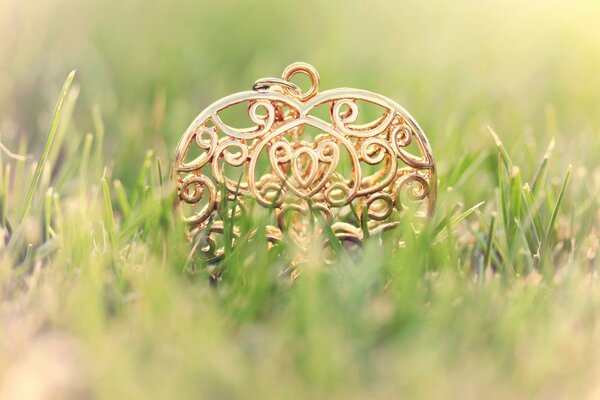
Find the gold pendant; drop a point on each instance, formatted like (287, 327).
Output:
(303, 153)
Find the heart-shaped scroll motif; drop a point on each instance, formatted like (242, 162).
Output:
(304, 167)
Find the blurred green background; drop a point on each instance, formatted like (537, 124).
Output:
(528, 69)
(112, 281)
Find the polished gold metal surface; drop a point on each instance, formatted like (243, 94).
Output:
(355, 157)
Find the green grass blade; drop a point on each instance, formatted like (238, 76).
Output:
(466, 169)
(5, 191)
(330, 236)
(502, 149)
(109, 218)
(85, 161)
(489, 245)
(65, 118)
(465, 214)
(234, 208)
(481, 241)
(499, 246)
(159, 172)
(503, 201)
(48, 213)
(557, 204)
(99, 133)
(516, 196)
(455, 221)
(533, 212)
(541, 171)
(141, 186)
(122, 200)
(47, 146)
(446, 220)
(11, 155)
(224, 211)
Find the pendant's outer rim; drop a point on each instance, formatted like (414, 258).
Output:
(304, 108)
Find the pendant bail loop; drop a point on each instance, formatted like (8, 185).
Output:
(277, 85)
(308, 70)
(286, 86)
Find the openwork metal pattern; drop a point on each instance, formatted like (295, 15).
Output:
(303, 153)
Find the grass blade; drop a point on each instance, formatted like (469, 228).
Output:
(499, 246)
(488, 247)
(455, 221)
(516, 196)
(501, 149)
(466, 168)
(444, 222)
(557, 204)
(109, 218)
(142, 185)
(533, 212)
(541, 171)
(234, 208)
(159, 172)
(99, 133)
(11, 155)
(47, 146)
(503, 201)
(48, 214)
(122, 199)
(4, 195)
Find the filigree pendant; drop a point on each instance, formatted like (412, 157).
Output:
(355, 157)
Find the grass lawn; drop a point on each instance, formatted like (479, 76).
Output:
(101, 296)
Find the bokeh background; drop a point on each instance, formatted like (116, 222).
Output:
(529, 70)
